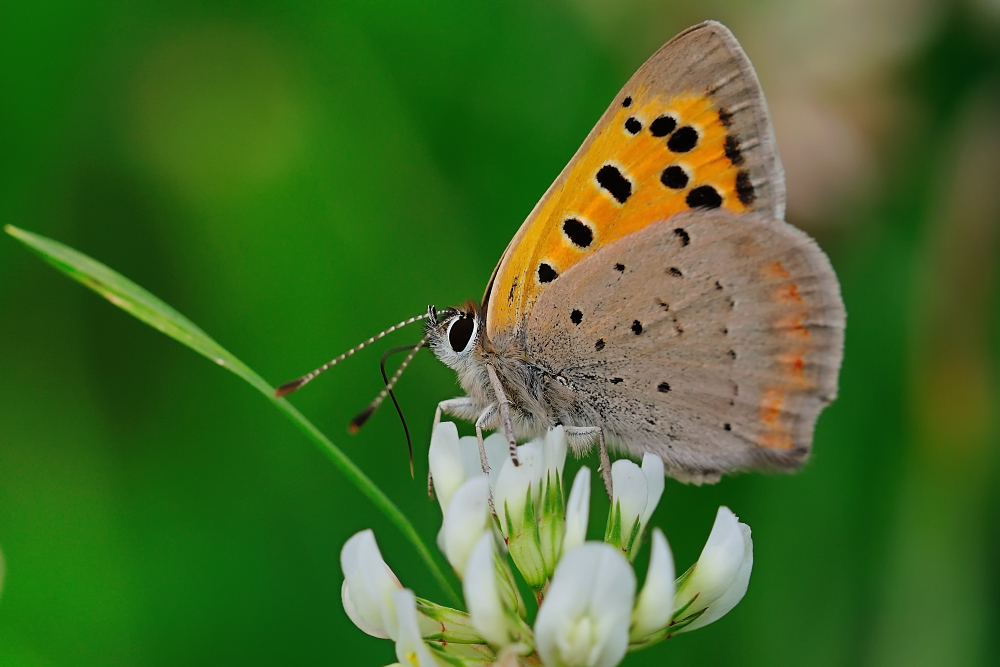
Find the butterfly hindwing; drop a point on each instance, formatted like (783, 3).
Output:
(690, 130)
(710, 339)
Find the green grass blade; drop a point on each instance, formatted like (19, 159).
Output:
(133, 299)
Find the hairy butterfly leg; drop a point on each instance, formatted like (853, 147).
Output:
(486, 420)
(503, 403)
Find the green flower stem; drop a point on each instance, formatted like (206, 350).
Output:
(133, 299)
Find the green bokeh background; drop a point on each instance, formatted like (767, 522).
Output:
(296, 176)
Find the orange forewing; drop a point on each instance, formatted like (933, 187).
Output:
(641, 158)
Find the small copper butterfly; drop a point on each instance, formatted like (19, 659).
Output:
(655, 300)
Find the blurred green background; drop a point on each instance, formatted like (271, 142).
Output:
(296, 176)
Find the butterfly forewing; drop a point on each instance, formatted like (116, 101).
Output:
(689, 131)
(711, 339)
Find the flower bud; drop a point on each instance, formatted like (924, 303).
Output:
(465, 520)
(368, 586)
(655, 606)
(577, 511)
(637, 491)
(494, 619)
(719, 580)
(515, 498)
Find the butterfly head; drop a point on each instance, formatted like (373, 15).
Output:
(454, 334)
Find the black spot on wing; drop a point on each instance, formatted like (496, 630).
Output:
(683, 236)
(732, 147)
(683, 139)
(725, 118)
(744, 189)
(704, 196)
(576, 317)
(616, 380)
(620, 268)
(674, 177)
(580, 234)
(627, 102)
(599, 345)
(675, 272)
(632, 125)
(663, 387)
(611, 179)
(662, 126)
(546, 273)
(636, 327)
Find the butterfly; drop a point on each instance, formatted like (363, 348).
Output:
(655, 300)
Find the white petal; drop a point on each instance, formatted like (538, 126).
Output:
(482, 595)
(445, 463)
(358, 619)
(720, 561)
(586, 613)
(497, 454)
(410, 646)
(629, 485)
(555, 451)
(468, 448)
(652, 470)
(655, 606)
(725, 603)
(577, 511)
(511, 492)
(368, 584)
(465, 520)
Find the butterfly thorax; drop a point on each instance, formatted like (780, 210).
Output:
(537, 400)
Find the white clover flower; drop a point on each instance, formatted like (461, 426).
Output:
(585, 617)
(482, 594)
(637, 492)
(454, 460)
(368, 586)
(551, 505)
(554, 447)
(589, 613)
(445, 462)
(494, 612)
(719, 580)
(655, 606)
(411, 649)
(515, 498)
(577, 511)
(466, 518)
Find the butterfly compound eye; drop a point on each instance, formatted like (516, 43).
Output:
(460, 332)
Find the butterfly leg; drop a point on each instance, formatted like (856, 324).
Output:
(576, 434)
(503, 403)
(485, 419)
(463, 408)
(488, 416)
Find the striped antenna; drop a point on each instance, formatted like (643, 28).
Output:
(360, 420)
(289, 387)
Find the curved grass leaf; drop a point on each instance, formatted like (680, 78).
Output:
(133, 299)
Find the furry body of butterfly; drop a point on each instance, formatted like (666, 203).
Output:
(654, 299)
